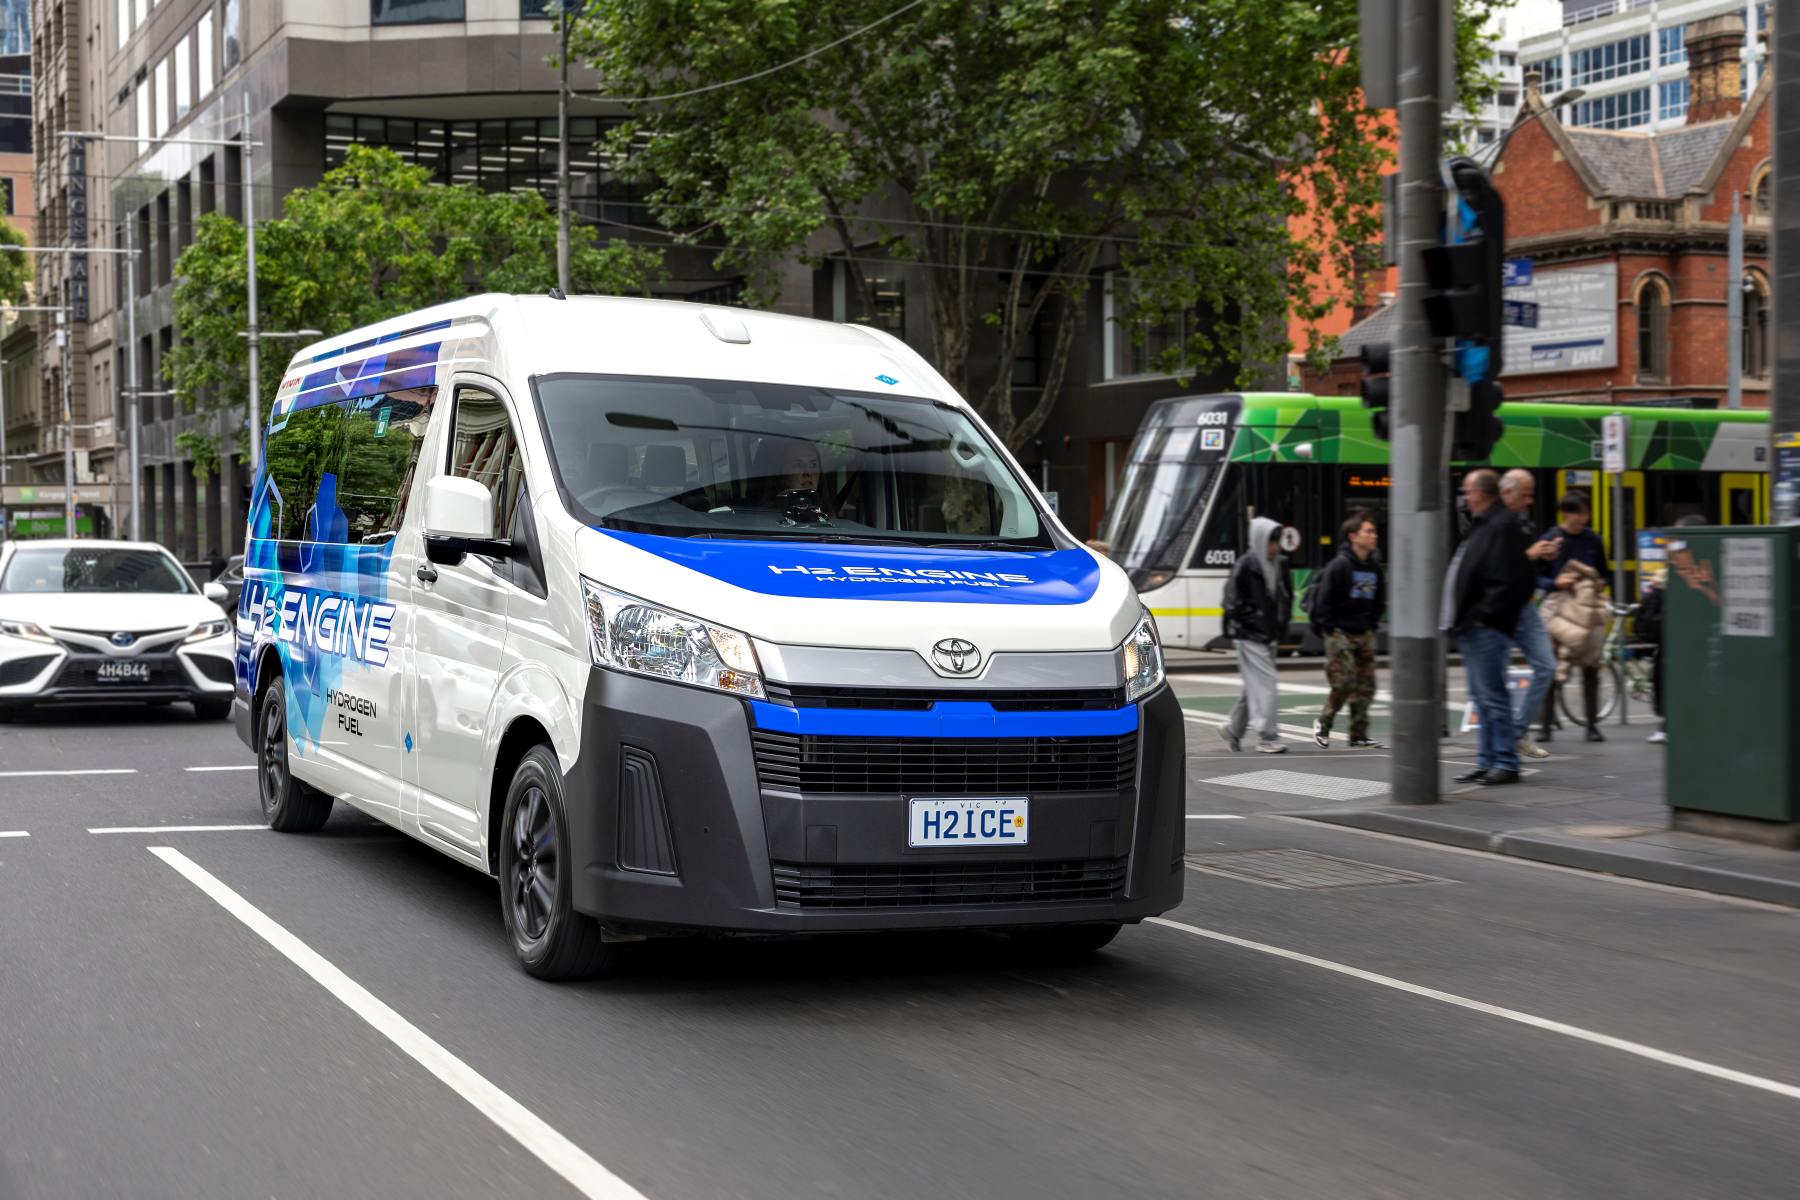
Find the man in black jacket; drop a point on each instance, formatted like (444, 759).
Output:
(1351, 596)
(1257, 606)
(1489, 582)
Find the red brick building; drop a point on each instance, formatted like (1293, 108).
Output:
(1627, 232)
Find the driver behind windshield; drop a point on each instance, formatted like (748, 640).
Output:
(784, 475)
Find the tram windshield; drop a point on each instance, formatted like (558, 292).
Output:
(1179, 449)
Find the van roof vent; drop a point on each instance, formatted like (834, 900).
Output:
(726, 326)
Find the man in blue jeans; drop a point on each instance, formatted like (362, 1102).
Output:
(1518, 489)
(1488, 583)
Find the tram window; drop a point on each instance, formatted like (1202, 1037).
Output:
(1360, 489)
(1743, 507)
(1288, 493)
(1222, 537)
(1674, 496)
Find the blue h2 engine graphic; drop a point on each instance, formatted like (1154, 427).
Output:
(330, 623)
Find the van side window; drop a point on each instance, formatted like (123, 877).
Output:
(342, 471)
(484, 447)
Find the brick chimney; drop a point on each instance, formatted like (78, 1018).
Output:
(1715, 49)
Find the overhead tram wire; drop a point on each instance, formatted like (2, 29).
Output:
(767, 71)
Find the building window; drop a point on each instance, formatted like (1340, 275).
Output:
(1761, 200)
(1621, 110)
(1508, 59)
(1137, 348)
(6, 187)
(1551, 69)
(1671, 100)
(890, 297)
(143, 116)
(203, 34)
(1653, 330)
(1755, 358)
(414, 12)
(184, 78)
(1671, 45)
(536, 9)
(124, 18)
(1627, 56)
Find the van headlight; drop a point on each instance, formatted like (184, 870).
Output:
(26, 631)
(206, 631)
(1141, 661)
(627, 634)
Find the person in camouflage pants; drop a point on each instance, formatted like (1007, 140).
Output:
(1350, 670)
(1352, 593)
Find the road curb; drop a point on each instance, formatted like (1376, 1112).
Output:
(1581, 854)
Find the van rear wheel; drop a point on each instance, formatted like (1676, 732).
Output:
(288, 805)
(551, 939)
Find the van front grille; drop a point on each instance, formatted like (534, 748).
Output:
(958, 884)
(1024, 766)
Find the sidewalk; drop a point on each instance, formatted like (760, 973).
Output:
(1599, 807)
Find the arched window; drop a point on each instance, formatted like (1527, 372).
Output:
(1761, 197)
(1653, 328)
(1756, 326)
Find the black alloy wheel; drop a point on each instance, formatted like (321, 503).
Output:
(288, 805)
(537, 868)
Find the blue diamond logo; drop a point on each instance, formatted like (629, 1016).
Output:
(887, 379)
(409, 743)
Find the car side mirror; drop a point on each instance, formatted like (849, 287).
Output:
(215, 592)
(459, 520)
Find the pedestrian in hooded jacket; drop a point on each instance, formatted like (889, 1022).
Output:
(1257, 605)
(1351, 596)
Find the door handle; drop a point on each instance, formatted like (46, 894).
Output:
(426, 573)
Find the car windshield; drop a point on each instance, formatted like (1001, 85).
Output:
(42, 569)
(706, 458)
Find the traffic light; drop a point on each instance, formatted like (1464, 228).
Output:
(1466, 302)
(1376, 385)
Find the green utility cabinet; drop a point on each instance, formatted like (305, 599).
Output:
(1731, 688)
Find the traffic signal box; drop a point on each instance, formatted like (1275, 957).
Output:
(1465, 302)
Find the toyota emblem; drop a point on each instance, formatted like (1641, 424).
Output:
(123, 639)
(956, 656)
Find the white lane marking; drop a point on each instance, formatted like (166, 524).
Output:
(14, 833)
(553, 1149)
(233, 767)
(177, 828)
(1494, 1010)
(1214, 817)
(1515, 861)
(94, 771)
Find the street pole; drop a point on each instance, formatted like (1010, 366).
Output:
(255, 387)
(1418, 452)
(1784, 263)
(131, 375)
(562, 155)
(64, 332)
(1734, 310)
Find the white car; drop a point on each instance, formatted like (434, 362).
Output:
(99, 621)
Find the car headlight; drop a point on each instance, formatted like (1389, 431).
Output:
(26, 630)
(627, 634)
(1141, 661)
(207, 630)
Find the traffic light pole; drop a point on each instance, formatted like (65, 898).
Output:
(1419, 532)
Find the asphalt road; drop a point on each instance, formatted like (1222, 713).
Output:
(234, 1012)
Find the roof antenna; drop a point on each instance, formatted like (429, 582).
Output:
(556, 293)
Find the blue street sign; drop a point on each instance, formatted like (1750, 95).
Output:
(1516, 272)
(1522, 313)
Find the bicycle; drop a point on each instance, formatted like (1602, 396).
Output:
(1624, 664)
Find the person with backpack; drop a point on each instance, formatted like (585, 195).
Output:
(1257, 601)
(1345, 601)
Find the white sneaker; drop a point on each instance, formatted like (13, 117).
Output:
(1657, 738)
(1530, 749)
(1231, 739)
(1321, 734)
(1271, 748)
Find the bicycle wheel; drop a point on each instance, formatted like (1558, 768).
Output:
(1569, 698)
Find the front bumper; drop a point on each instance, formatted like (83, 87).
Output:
(671, 829)
(37, 673)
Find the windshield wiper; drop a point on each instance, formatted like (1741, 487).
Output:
(989, 545)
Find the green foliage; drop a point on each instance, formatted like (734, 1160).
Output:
(375, 238)
(202, 449)
(15, 268)
(1016, 148)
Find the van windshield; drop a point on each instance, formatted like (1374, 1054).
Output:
(709, 458)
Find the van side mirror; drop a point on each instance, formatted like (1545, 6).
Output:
(459, 520)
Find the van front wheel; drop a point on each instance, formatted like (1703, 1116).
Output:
(551, 939)
(288, 805)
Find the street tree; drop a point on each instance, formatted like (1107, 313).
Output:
(15, 268)
(374, 239)
(1009, 151)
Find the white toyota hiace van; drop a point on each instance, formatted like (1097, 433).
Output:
(680, 618)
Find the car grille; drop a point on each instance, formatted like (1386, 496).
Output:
(958, 884)
(84, 672)
(915, 700)
(219, 670)
(23, 670)
(1024, 766)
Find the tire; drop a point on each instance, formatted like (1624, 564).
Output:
(288, 805)
(1568, 696)
(1065, 942)
(212, 710)
(8, 713)
(552, 940)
